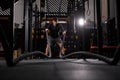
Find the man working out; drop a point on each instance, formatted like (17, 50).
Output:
(54, 30)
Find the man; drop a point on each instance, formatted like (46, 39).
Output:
(54, 30)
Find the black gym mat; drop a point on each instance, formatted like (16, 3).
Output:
(57, 69)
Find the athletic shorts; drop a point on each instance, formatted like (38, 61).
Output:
(57, 40)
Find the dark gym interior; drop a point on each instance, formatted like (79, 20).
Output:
(91, 43)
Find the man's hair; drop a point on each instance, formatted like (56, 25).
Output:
(54, 19)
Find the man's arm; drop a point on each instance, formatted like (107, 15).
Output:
(47, 29)
(62, 29)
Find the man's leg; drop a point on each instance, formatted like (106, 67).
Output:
(48, 46)
(59, 41)
(61, 48)
(47, 50)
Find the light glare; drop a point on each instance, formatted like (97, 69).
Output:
(81, 22)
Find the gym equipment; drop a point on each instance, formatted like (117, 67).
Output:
(113, 61)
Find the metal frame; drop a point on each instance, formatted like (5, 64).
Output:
(8, 43)
(99, 27)
(26, 23)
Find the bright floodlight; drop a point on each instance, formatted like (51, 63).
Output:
(81, 22)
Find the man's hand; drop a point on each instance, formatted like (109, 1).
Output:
(64, 32)
(46, 30)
